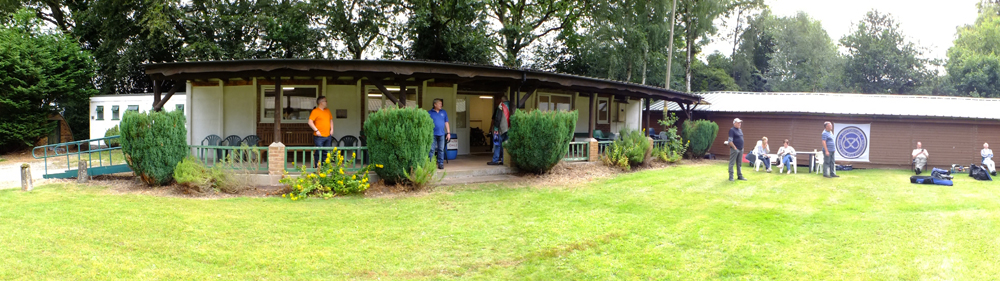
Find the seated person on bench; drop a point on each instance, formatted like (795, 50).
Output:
(987, 154)
(785, 154)
(919, 158)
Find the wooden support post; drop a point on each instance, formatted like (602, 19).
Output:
(402, 92)
(157, 94)
(277, 109)
(378, 84)
(647, 113)
(81, 172)
(593, 116)
(26, 184)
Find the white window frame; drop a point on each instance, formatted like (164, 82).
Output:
(264, 88)
(129, 108)
(369, 89)
(538, 101)
(116, 113)
(597, 109)
(99, 112)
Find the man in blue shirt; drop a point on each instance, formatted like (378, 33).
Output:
(442, 131)
(829, 150)
(735, 143)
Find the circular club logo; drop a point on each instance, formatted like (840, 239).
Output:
(852, 142)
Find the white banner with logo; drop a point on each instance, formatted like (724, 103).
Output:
(853, 141)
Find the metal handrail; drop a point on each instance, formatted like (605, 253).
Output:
(578, 151)
(79, 151)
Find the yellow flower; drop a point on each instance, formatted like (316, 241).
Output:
(282, 196)
(354, 155)
(378, 165)
(322, 175)
(353, 177)
(328, 160)
(341, 182)
(328, 155)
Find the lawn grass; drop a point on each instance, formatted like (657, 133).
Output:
(685, 222)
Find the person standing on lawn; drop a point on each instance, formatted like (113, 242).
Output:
(735, 142)
(442, 132)
(321, 122)
(501, 122)
(829, 149)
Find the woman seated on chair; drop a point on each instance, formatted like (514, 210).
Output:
(761, 150)
(786, 153)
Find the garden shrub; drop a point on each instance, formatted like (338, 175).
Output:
(153, 144)
(538, 140)
(423, 174)
(193, 175)
(628, 151)
(674, 148)
(400, 139)
(700, 134)
(330, 179)
(235, 173)
(114, 131)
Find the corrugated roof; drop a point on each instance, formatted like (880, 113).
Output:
(846, 104)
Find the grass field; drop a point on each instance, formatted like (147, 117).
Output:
(685, 222)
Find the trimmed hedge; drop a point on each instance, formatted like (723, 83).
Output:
(538, 140)
(701, 134)
(153, 144)
(398, 139)
(114, 131)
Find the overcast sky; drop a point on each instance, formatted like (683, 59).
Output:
(930, 24)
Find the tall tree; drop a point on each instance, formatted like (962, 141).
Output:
(523, 22)
(697, 18)
(359, 25)
(805, 59)
(449, 30)
(879, 58)
(41, 73)
(974, 60)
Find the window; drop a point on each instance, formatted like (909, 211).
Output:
(297, 103)
(114, 112)
(100, 112)
(179, 107)
(134, 108)
(553, 102)
(461, 112)
(603, 110)
(378, 101)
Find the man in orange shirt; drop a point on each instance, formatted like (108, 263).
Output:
(321, 121)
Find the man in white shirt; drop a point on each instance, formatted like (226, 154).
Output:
(786, 153)
(919, 158)
(987, 154)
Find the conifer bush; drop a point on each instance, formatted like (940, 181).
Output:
(399, 140)
(538, 140)
(153, 144)
(700, 134)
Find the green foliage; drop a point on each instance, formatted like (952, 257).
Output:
(628, 151)
(974, 60)
(358, 25)
(674, 148)
(699, 135)
(709, 78)
(330, 179)
(400, 139)
(880, 60)
(153, 144)
(42, 72)
(193, 175)
(792, 54)
(449, 30)
(114, 131)
(538, 140)
(423, 175)
(524, 22)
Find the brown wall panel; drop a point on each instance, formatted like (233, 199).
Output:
(949, 141)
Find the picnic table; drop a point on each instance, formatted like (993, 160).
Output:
(812, 158)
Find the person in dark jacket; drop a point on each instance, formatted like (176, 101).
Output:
(501, 123)
(735, 142)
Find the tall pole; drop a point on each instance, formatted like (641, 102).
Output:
(670, 56)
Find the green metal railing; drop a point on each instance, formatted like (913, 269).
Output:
(578, 151)
(355, 157)
(101, 167)
(602, 146)
(245, 158)
(659, 143)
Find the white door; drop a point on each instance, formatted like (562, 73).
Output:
(461, 123)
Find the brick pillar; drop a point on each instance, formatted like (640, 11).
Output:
(275, 162)
(593, 155)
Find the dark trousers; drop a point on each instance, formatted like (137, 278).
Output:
(498, 148)
(438, 147)
(735, 158)
(829, 168)
(322, 142)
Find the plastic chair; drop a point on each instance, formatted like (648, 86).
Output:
(652, 133)
(348, 141)
(251, 140)
(212, 140)
(819, 161)
(793, 166)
